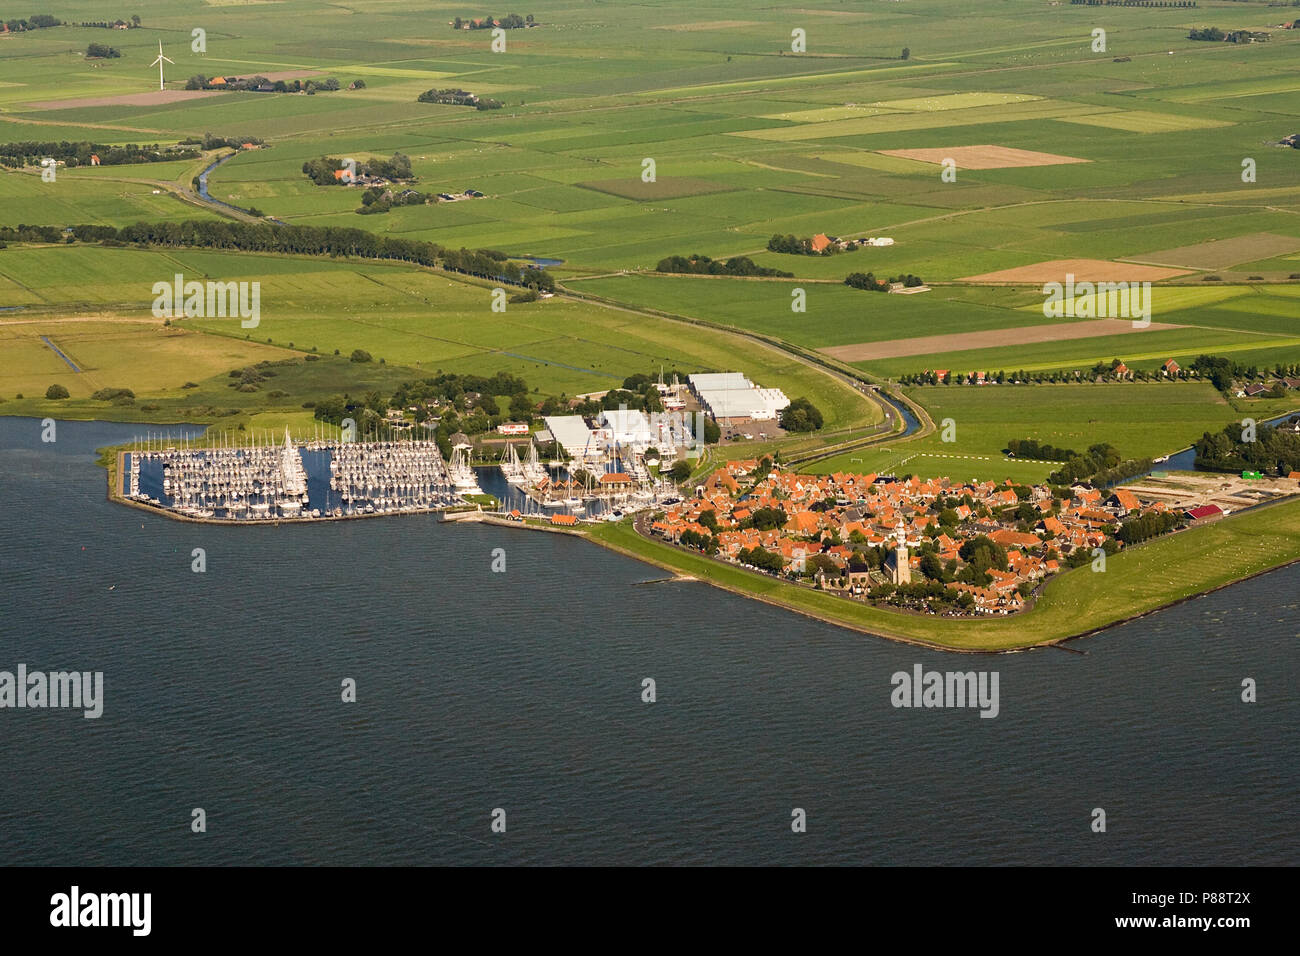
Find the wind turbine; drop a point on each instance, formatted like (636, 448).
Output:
(159, 63)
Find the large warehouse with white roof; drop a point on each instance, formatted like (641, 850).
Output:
(730, 397)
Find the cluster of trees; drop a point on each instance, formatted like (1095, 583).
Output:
(794, 246)
(458, 97)
(512, 21)
(1100, 465)
(1274, 451)
(377, 199)
(801, 415)
(211, 141)
(762, 559)
(322, 171)
(39, 21)
(701, 542)
(928, 592)
(57, 392)
(1149, 525)
(1030, 448)
(868, 280)
(703, 265)
(102, 51)
(30, 153)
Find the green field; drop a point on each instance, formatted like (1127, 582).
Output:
(748, 139)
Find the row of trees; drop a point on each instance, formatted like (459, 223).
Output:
(1149, 525)
(261, 84)
(511, 21)
(1030, 448)
(30, 153)
(703, 265)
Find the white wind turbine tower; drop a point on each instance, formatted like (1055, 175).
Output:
(159, 63)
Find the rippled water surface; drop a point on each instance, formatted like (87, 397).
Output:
(522, 691)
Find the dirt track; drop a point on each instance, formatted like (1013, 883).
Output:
(988, 339)
(1083, 270)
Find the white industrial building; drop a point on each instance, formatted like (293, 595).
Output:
(571, 431)
(729, 396)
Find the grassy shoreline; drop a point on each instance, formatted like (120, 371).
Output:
(1074, 604)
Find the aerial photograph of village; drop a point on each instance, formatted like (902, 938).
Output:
(642, 433)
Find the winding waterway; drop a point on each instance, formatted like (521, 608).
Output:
(522, 690)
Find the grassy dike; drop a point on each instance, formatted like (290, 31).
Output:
(1078, 602)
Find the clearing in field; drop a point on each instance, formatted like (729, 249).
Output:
(985, 157)
(665, 188)
(1224, 253)
(955, 101)
(1083, 270)
(154, 98)
(708, 25)
(987, 339)
(1144, 121)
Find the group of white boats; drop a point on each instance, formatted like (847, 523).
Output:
(542, 486)
(265, 481)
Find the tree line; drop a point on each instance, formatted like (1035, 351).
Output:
(297, 240)
(511, 21)
(457, 97)
(704, 266)
(30, 153)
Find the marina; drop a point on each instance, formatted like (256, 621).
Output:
(266, 478)
(286, 481)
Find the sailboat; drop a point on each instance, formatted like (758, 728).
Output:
(511, 467)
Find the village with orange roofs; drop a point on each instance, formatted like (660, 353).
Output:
(929, 545)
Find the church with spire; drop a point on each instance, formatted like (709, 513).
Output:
(900, 571)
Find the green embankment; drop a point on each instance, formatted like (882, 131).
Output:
(1076, 602)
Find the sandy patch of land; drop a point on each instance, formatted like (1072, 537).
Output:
(154, 98)
(1183, 491)
(1083, 270)
(984, 157)
(1223, 253)
(987, 339)
(706, 25)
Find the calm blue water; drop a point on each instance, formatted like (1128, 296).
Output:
(521, 690)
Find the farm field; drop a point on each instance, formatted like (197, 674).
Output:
(1142, 420)
(1126, 164)
(418, 319)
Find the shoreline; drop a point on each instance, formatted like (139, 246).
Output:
(115, 468)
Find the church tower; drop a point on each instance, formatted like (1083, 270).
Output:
(901, 572)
